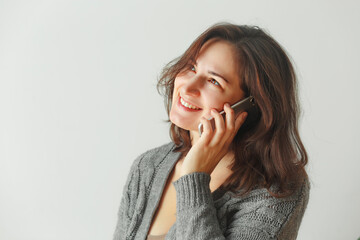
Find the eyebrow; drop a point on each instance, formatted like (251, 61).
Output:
(215, 74)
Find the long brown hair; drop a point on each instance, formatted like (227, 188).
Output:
(267, 148)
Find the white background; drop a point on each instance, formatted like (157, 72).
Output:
(78, 103)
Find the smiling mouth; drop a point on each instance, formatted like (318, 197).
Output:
(188, 105)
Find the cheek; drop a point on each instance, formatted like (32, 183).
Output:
(215, 102)
(175, 90)
(178, 82)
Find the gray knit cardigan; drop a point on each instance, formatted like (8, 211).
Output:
(200, 214)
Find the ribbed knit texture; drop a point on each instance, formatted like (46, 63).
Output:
(192, 191)
(200, 214)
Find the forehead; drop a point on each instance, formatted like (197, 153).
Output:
(219, 56)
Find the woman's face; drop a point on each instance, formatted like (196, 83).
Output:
(209, 83)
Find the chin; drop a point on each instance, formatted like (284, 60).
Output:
(182, 123)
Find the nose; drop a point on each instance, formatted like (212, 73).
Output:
(192, 87)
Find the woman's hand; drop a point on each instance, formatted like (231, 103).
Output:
(213, 145)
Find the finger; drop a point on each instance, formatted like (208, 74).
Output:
(219, 127)
(230, 118)
(240, 121)
(230, 124)
(207, 130)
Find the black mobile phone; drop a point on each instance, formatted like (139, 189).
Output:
(245, 104)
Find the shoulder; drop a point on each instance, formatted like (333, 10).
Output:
(261, 196)
(270, 217)
(299, 201)
(142, 167)
(153, 156)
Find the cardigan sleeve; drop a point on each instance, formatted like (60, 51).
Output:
(266, 217)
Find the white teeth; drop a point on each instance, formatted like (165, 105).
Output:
(187, 104)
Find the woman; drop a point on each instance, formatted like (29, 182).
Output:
(242, 179)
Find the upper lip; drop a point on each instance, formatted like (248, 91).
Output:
(190, 102)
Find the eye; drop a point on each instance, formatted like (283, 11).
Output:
(213, 81)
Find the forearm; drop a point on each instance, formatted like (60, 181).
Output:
(196, 214)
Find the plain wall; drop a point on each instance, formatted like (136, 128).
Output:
(78, 103)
